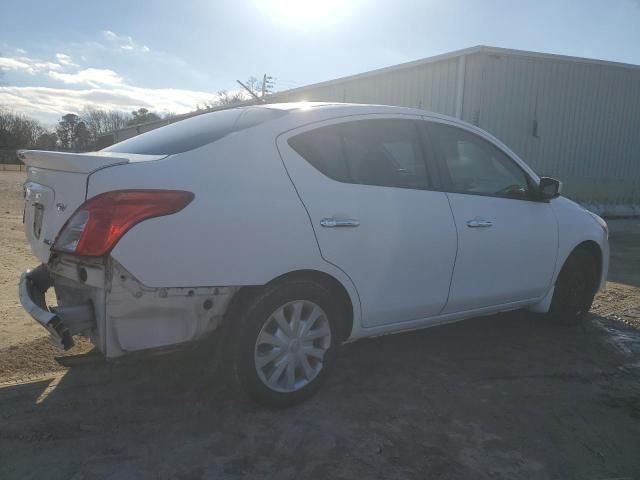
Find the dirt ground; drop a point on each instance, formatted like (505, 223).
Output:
(507, 396)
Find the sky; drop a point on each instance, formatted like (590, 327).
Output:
(169, 56)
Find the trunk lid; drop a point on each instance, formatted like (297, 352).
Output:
(56, 186)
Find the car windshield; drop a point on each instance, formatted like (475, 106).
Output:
(195, 132)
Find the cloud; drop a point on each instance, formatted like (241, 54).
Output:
(85, 76)
(109, 35)
(28, 65)
(124, 42)
(93, 77)
(13, 64)
(48, 103)
(65, 59)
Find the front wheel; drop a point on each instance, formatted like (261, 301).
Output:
(575, 288)
(287, 342)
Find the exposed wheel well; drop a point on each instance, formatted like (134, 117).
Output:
(332, 284)
(329, 282)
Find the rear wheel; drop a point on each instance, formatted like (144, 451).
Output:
(575, 288)
(287, 340)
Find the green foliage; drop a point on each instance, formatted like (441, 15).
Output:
(66, 130)
(142, 115)
(46, 141)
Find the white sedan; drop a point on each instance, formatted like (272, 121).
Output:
(292, 228)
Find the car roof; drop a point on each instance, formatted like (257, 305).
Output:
(302, 111)
(305, 112)
(337, 107)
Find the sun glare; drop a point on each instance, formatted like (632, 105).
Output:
(306, 13)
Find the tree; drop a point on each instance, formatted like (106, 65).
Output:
(46, 141)
(18, 131)
(253, 84)
(73, 133)
(96, 120)
(66, 130)
(100, 121)
(226, 98)
(260, 88)
(142, 115)
(81, 137)
(118, 120)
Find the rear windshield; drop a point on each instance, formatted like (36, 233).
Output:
(195, 132)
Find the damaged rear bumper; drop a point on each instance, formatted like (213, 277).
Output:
(100, 300)
(61, 322)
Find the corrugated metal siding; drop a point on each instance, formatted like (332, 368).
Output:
(431, 87)
(587, 112)
(588, 115)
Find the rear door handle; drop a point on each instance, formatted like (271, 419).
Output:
(479, 223)
(339, 222)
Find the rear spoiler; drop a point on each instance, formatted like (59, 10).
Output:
(79, 162)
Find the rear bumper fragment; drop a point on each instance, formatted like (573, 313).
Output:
(57, 320)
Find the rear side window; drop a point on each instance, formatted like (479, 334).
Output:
(385, 152)
(195, 132)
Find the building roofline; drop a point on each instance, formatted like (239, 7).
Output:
(555, 56)
(459, 53)
(394, 68)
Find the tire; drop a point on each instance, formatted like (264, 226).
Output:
(279, 361)
(575, 288)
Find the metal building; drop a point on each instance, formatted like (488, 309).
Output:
(572, 118)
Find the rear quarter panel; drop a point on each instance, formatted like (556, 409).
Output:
(245, 226)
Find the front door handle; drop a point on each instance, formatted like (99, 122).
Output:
(478, 223)
(339, 222)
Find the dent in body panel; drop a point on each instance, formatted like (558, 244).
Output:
(80, 282)
(246, 225)
(140, 317)
(130, 316)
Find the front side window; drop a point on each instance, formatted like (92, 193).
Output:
(474, 165)
(382, 152)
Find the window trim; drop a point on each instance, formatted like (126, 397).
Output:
(444, 180)
(417, 120)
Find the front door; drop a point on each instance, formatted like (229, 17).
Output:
(507, 241)
(365, 185)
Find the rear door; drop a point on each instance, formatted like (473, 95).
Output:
(507, 241)
(366, 187)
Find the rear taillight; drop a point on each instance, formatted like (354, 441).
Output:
(98, 224)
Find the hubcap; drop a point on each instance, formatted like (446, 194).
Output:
(291, 346)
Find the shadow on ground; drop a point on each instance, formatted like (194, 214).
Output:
(507, 396)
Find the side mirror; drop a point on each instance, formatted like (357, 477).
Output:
(549, 188)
